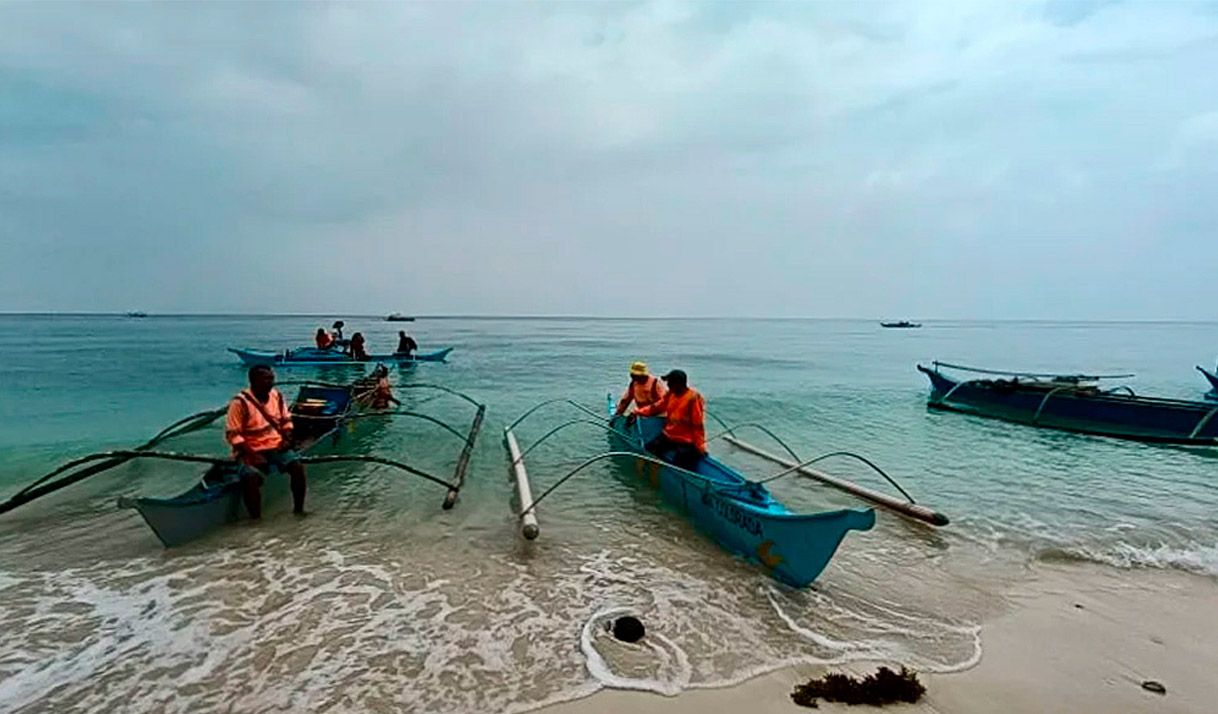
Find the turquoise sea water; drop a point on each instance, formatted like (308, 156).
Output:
(380, 599)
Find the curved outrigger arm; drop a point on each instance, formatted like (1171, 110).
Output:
(574, 422)
(849, 454)
(441, 388)
(383, 462)
(636, 455)
(395, 412)
(105, 460)
(732, 431)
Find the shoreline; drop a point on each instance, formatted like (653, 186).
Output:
(1072, 638)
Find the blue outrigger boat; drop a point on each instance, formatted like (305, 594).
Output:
(314, 357)
(321, 413)
(1073, 403)
(740, 515)
(1212, 378)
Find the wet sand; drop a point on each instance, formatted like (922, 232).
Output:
(1073, 638)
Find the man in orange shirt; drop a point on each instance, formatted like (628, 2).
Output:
(683, 441)
(643, 389)
(259, 428)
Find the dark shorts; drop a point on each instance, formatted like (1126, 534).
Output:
(276, 460)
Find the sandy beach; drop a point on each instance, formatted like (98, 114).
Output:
(1072, 638)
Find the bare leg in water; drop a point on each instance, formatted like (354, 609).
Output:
(251, 492)
(299, 484)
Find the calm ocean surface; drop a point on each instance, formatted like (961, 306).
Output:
(380, 600)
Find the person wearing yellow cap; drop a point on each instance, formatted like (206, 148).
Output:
(644, 389)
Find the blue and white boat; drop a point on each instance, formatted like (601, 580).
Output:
(741, 515)
(315, 357)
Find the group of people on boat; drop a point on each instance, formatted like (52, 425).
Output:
(357, 346)
(682, 442)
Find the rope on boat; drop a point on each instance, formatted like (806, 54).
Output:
(384, 462)
(1045, 375)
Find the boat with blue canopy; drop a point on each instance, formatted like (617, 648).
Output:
(316, 357)
(1072, 402)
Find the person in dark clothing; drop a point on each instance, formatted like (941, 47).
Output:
(406, 344)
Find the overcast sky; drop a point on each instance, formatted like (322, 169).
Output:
(929, 159)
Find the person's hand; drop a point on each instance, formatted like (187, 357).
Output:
(630, 420)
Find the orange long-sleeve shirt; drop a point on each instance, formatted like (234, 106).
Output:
(685, 417)
(648, 392)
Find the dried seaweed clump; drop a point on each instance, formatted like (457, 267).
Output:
(883, 687)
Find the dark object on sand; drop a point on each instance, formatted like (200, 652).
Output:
(628, 629)
(883, 687)
(1151, 685)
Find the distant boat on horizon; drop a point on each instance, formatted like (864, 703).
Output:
(902, 324)
(398, 317)
(137, 313)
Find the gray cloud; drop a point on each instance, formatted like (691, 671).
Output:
(986, 160)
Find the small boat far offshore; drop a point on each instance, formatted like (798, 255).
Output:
(1073, 403)
(398, 317)
(314, 357)
(905, 324)
(1212, 378)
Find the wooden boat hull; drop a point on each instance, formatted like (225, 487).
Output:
(1212, 378)
(216, 500)
(313, 357)
(741, 516)
(1123, 416)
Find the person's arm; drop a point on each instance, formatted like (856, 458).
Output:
(624, 402)
(232, 433)
(286, 425)
(697, 415)
(657, 407)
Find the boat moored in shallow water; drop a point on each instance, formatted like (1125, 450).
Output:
(1072, 403)
(740, 515)
(321, 414)
(315, 357)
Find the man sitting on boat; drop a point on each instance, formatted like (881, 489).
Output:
(259, 428)
(323, 339)
(375, 390)
(406, 344)
(643, 390)
(336, 337)
(683, 441)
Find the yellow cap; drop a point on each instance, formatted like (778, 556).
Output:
(639, 369)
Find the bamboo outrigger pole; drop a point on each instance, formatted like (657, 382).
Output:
(463, 461)
(911, 509)
(528, 515)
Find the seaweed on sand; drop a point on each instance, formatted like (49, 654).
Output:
(883, 687)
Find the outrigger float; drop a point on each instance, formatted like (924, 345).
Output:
(1072, 403)
(739, 514)
(321, 413)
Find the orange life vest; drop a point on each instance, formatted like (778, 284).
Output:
(685, 417)
(643, 394)
(246, 424)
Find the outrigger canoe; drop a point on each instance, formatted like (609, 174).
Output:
(1212, 378)
(1073, 403)
(321, 413)
(314, 357)
(740, 515)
